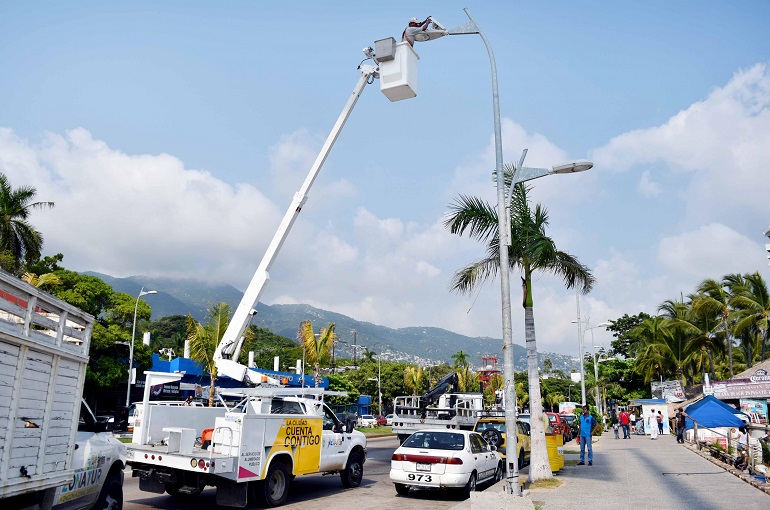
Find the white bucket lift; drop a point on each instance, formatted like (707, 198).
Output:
(398, 68)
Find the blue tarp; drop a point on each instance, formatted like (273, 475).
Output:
(712, 412)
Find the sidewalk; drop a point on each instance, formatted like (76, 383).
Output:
(643, 473)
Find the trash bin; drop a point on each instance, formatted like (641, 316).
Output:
(555, 445)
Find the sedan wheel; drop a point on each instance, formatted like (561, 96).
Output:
(471, 485)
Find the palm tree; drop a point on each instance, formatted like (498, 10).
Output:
(413, 377)
(466, 379)
(204, 340)
(461, 359)
(675, 344)
(531, 250)
(649, 360)
(751, 302)
(317, 348)
(43, 281)
(17, 236)
(553, 400)
(715, 299)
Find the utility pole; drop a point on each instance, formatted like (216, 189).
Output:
(355, 362)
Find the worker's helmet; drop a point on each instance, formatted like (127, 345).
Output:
(414, 20)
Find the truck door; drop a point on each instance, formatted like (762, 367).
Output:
(334, 446)
(88, 461)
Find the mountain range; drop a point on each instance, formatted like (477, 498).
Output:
(421, 345)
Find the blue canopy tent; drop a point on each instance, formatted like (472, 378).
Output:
(710, 413)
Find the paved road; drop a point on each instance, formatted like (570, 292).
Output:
(316, 492)
(641, 473)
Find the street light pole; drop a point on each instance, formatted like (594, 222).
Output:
(131, 349)
(521, 175)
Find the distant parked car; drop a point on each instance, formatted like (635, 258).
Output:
(389, 419)
(367, 420)
(381, 421)
(560, 426)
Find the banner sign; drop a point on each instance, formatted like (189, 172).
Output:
(670, 390)
(168, 391)
(755, 386)
(756, 409)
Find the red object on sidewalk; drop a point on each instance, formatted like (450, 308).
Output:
(577, 439)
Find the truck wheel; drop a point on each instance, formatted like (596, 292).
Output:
(402, 489)
(111, 495)
(274, 489)
(354, 471)
(402, 438)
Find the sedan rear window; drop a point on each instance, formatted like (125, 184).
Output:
(435, 441)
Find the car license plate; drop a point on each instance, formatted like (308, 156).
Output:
(421, 466)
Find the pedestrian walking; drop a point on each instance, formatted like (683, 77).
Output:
(625, 420)
(680, 424)
(632, 419)
(659, 418)
(651, 424)
(587, 426)
(615, 427)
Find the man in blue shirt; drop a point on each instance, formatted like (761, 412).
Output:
(587, 425)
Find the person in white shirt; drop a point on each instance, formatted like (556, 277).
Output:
(652, 424)
(414, 28)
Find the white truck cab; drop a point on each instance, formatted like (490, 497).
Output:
(98, 461)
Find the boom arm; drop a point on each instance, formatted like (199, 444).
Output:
(241, 320)
(446, 384)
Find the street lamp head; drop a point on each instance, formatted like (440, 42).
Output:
(604, 324)
(144, 293)
(572, 167)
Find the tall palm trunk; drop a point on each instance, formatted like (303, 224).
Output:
(763, 339)
(712, 370)
(729, 343)
(540, 467)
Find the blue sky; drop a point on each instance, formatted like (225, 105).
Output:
(172, 136)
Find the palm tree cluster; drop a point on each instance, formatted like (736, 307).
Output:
(720, 329)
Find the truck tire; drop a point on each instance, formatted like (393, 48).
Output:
(274, 489)
(402, 489)
(111, 495)
(354, 471)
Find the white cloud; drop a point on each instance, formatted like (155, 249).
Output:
(711, 251)
(721, 145)
(142, 214)
(647, 187)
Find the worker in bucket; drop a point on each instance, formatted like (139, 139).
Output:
(414, 28)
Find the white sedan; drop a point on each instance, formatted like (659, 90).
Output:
(443, 459)
(367, 420)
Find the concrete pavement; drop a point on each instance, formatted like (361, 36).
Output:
(633, 473)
